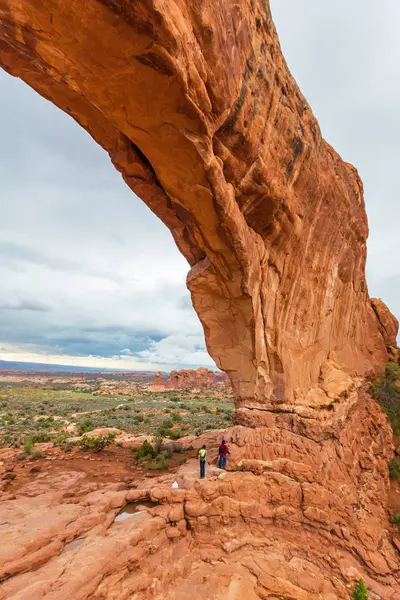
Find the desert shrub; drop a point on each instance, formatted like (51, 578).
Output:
(394, 469)
(177, 447)
(62, 440)
(360, 592)
(37, 454)
(174, 399)
(41, 436)
(96, 443)
(158, 445)
(157, 464)
(28, 445)
(164, 428)
(146, 450)
(126, 407)
(176, 434)
(85, 425)
(396, 518)
(387, 392)
(176, 417)
(168, 453)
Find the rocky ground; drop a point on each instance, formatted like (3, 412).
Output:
(295, 517)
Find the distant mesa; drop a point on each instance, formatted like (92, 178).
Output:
(189, 379)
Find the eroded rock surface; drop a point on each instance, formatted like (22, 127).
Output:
(303, 518)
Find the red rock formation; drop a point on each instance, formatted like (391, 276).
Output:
(189, 378)
(388, 326)
(197, 109)
(158, 384)
(212, 132)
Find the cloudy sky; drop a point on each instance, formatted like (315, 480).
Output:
(90, 277)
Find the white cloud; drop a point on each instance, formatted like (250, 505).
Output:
(178, 348)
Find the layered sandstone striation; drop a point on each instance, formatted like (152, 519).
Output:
(197, 109)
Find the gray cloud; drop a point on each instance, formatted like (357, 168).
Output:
(23, 305)
(12, 254)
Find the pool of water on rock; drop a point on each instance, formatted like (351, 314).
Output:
(131, 510)
(73, 545)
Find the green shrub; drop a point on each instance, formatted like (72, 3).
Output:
(168, 453)
(41, 436)
(176, 434)
(62, 440)
(146, 451)
(37, 454)
(360, 592)
(387, 392)
(176, 417)
(158, 445)
(396, 518)
(96, 443)
(28, 445)
(394, 469)
(85, 425)
(157, 464)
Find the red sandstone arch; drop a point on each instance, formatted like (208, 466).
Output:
(197, 109)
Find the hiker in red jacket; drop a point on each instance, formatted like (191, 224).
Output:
(222, 453)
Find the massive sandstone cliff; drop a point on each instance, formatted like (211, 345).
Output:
(197, 109)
